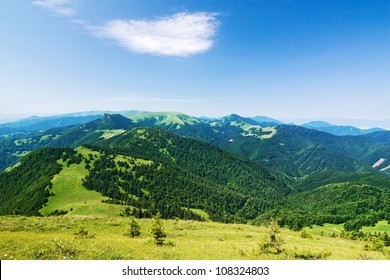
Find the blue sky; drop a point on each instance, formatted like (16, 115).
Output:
(283, 59)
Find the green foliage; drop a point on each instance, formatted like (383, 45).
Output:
(135, 229)
(158, 230)
(376, 244)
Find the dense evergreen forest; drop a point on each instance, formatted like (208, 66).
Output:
(356, 205)
(155, 187)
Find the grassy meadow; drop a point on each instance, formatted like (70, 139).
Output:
(107, 238)
(70, 195)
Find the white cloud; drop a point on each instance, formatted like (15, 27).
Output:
(59, 7)
(181, 34)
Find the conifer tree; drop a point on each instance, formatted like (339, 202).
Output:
(158, 231)
(135, 229)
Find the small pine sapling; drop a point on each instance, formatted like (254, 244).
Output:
(158, 231)
(135, 229)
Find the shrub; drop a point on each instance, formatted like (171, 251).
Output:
(83, 233)
(377, 244)
(58, 213)
(135, 229)
(67, 249)
(311, 255)
(305, 234)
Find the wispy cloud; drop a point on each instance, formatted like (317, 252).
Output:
(60, 7)
(148, 99)
(182, 34)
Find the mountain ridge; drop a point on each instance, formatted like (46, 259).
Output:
(339, 130)
(47, 122)
(294, 150)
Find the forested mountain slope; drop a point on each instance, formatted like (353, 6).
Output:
(356, 205)
(152, 170)
(25, 189)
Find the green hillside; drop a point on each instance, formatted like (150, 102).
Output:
(201, 176)
(26, 188)
(167, 119)
(92, 131)
(150, 170)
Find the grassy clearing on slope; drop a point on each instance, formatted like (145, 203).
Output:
(130, 160)
(380, 227)
(336, 229)
(270, 132)
(19, 142)
(65, 237)
(201, 213)
(109, 133)
(86, 152)
(71, 196)
(45, 137)
(255, 130)
(326, 229)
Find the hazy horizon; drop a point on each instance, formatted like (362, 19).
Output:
(360, 123)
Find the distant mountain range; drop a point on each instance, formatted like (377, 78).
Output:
(35, 123)
(294, 150)
(339, 130)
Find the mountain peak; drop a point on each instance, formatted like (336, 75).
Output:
(110, 121)
(164, 119)
(237, 118)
